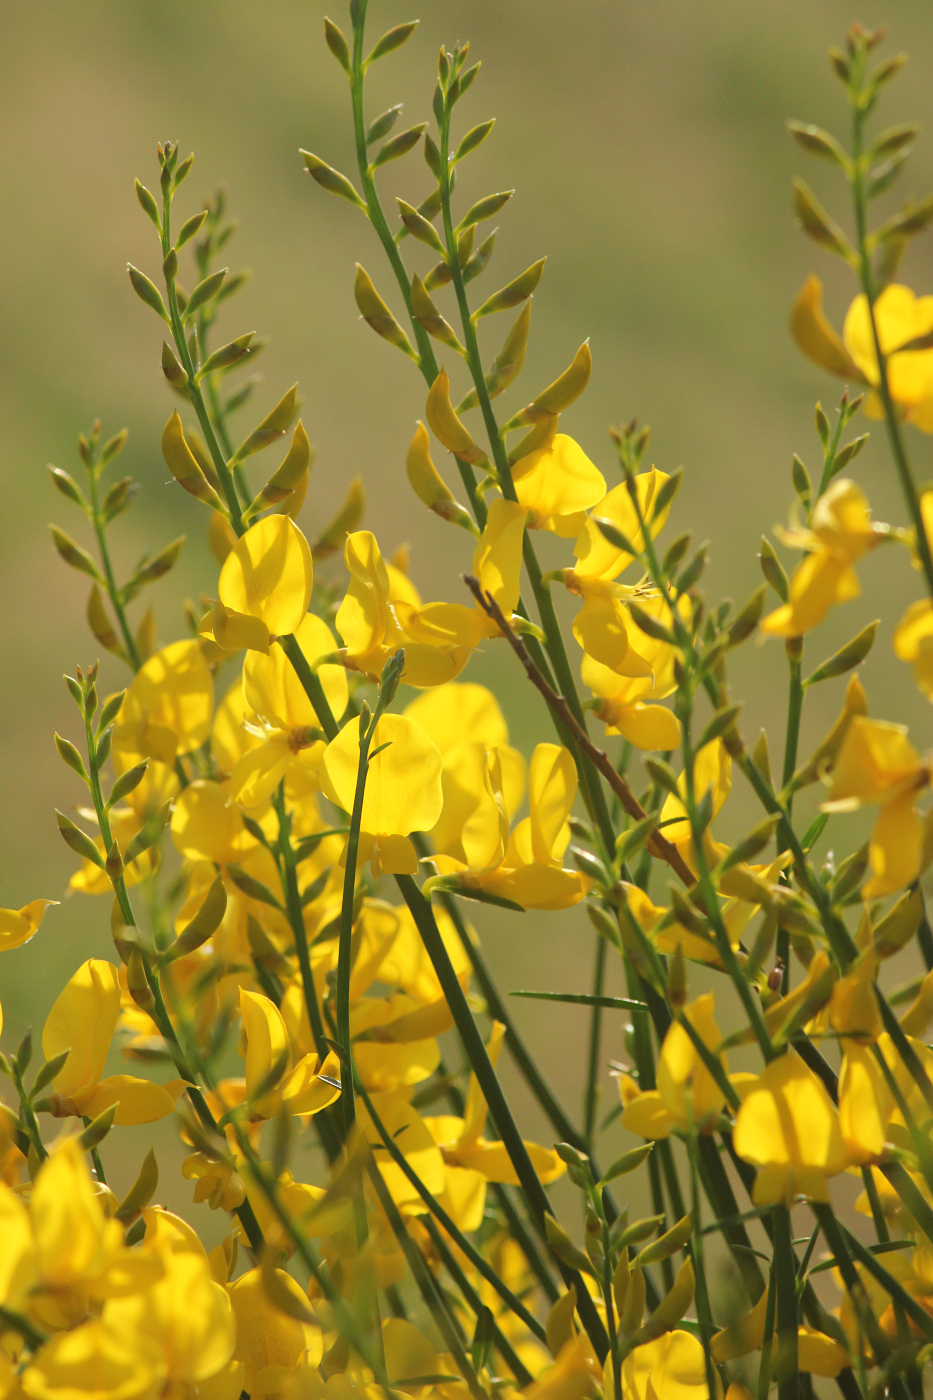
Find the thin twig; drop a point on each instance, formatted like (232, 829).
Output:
(657, 844)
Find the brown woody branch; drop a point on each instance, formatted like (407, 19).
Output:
(656, 843)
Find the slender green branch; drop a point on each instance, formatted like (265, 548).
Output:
(591, 1096)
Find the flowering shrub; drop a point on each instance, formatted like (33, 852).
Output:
(305, 790)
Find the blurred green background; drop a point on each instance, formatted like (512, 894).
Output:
(647, 148)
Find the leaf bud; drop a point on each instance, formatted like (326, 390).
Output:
(69, 755)
(847, 657)
(429, 486)
(445, 424)
(95, 1132)
(677, 978)
(628, 1162)
(183, 464)
(383, 124)
(49, 1071)
(204, 292)
(205, 922)
(137, 982)
(190, 227)
(226, 356)
(559, 1327)
(276, 421)
(74, 555)
(634, 1306)
(421, 228)
(399, 145)
(110, 709)
(67, 485)
(745, 623)
(774, 570)
(333, 37)
(667, 1244)
(114, 863)
(147, 291)
(814, 221)
(651, 626)
(563, 1247)
(514, 292)
(170, 265)
(331, 180)
(79, 841)
(182, 172)
(148, 205)
(141, 1192)
(24, 1053)
(393, 39)
(428, 316)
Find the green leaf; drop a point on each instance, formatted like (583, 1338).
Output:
(226, 356)
(584, 999)
(74, 555)
(251, 887)
(419, 227)
(815, 221)
(383, 124)
(818, 142)
(148, 205)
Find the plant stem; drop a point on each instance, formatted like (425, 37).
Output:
(345, 943)
(297, 922)
(591, 1099)
(786, 1289)
(867, 279)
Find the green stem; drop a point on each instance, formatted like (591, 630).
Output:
(194, 392)
(591, 1100)
(345, 942)
(473, 1301)
(427, 1287)
(476, 1259)
(704, 1311)
(767, 1345)
(492, 1090)
(867, 279)
(30, 1120)
(113, 592)
(297, 922)
(609, 1304)
(787, 1321)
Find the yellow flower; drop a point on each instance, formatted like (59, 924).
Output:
(639, 668)
(712, 772)
(877, 764)
(17, 926)
(558, 484)
(79, 1252)
(840, 532)
(671, 1368)
(816, 1353)
(687, 1095)
(596, 557)
(403, 789)
(216, 1181)
(266, 1337)
(303, 1089)
(382, 611)
(464, 721)
(167, 709)
(83, 1021)
(788, 1126)
(290, 729)
(524, 867)
(265, 587)
(913, 636)
(95, 1362)
(185, 1315)
(900, 317)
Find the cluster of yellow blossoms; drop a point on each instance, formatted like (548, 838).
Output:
(302, 792)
